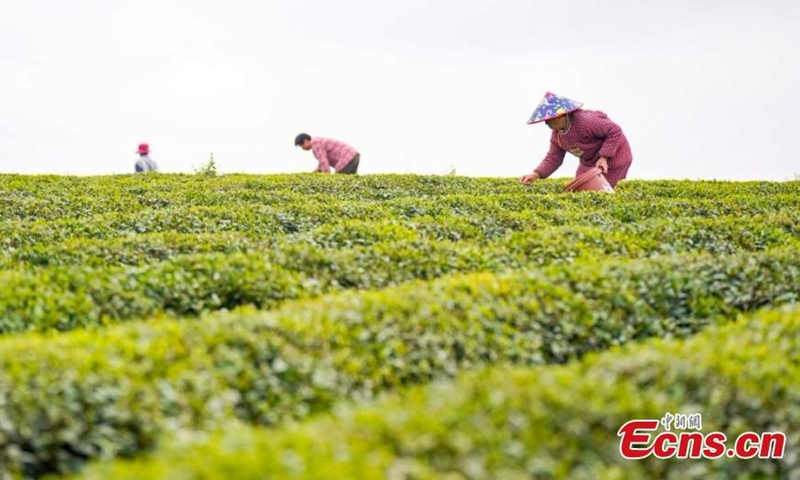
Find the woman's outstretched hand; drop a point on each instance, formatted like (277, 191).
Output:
(530, 178)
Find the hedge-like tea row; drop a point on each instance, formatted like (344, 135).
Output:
(58, 197)
(554, 423)
(112, 392)
(55, 197)
(133, 250)
(305, 214)
(63, 298)
(141, 249)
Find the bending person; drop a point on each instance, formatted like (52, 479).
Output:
(589, 135)
(330, 154)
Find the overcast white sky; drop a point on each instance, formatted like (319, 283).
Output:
(702, 88)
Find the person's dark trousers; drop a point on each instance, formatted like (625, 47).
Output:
(352, 166)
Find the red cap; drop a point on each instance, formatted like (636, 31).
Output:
(144, 149)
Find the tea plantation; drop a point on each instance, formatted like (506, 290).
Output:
(390, 327)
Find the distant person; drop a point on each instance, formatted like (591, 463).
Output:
(145, 164)
(330, 153)
(589, 135)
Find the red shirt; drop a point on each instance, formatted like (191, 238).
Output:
(332, 153)
(591, 135)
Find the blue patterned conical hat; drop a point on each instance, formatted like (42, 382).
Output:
(553, 106)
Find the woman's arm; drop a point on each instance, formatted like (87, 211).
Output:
(551, 162)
